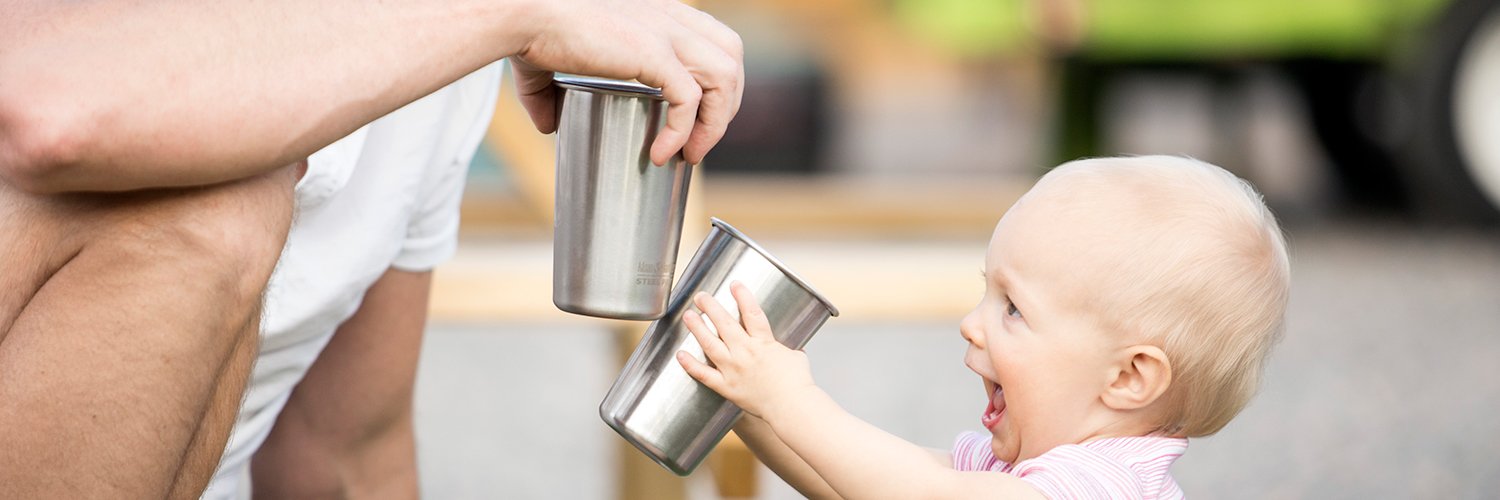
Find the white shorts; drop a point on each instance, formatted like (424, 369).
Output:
(385, 196)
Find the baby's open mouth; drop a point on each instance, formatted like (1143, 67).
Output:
(996, 407)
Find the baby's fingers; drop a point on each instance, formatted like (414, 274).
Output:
(703, 373)
(729, 328)
(713, 347)
(753, 317)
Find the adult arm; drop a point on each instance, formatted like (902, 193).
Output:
(106, 95)
(346, 432)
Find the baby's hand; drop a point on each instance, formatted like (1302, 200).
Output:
(751, 369)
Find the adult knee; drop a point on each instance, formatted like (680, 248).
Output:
(222, 240)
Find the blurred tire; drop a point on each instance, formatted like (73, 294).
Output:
(1343, 102)
(1453, 160)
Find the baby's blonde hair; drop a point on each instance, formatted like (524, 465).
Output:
(1205, 276)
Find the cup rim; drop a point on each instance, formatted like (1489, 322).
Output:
(600, 85)
(724, 226)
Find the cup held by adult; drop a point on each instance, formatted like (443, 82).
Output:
(697, 61)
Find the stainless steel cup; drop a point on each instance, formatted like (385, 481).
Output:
(654, 404)
(619, 218)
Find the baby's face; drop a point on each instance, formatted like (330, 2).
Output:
(1043, 360)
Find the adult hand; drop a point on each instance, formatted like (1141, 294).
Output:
(696, 61)
(750, 368)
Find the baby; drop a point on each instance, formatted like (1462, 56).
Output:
(1129, 304)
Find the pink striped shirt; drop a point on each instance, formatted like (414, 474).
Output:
(1121, 467)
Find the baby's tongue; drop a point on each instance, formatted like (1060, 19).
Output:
(995, 409)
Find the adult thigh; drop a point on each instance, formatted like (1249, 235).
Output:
(125, 322)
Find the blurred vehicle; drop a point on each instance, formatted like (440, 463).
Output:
(1404, 95)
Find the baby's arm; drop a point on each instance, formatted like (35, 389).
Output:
(781, 459)
(757, 434)
(808, 429)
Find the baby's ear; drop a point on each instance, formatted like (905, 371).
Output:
(1141, 376)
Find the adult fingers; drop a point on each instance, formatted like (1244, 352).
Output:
(683, 95)
(751, 315)
(713, 348)
(700, 371)
(714, 114)
(717, 76)
(706, 25)
(728, 327)
(537, 94)
(726, 39)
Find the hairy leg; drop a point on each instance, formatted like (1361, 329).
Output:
(127, 326)
(202, 455)
(347, 430)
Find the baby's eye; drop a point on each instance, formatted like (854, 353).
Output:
(1010, 309)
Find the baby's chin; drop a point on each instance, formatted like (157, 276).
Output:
(1002, 450)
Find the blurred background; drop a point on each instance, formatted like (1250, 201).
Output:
(880, 140)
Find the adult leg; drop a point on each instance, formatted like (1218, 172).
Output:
(128, 323)
(347, 430)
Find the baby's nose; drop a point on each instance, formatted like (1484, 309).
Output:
(968, 330)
